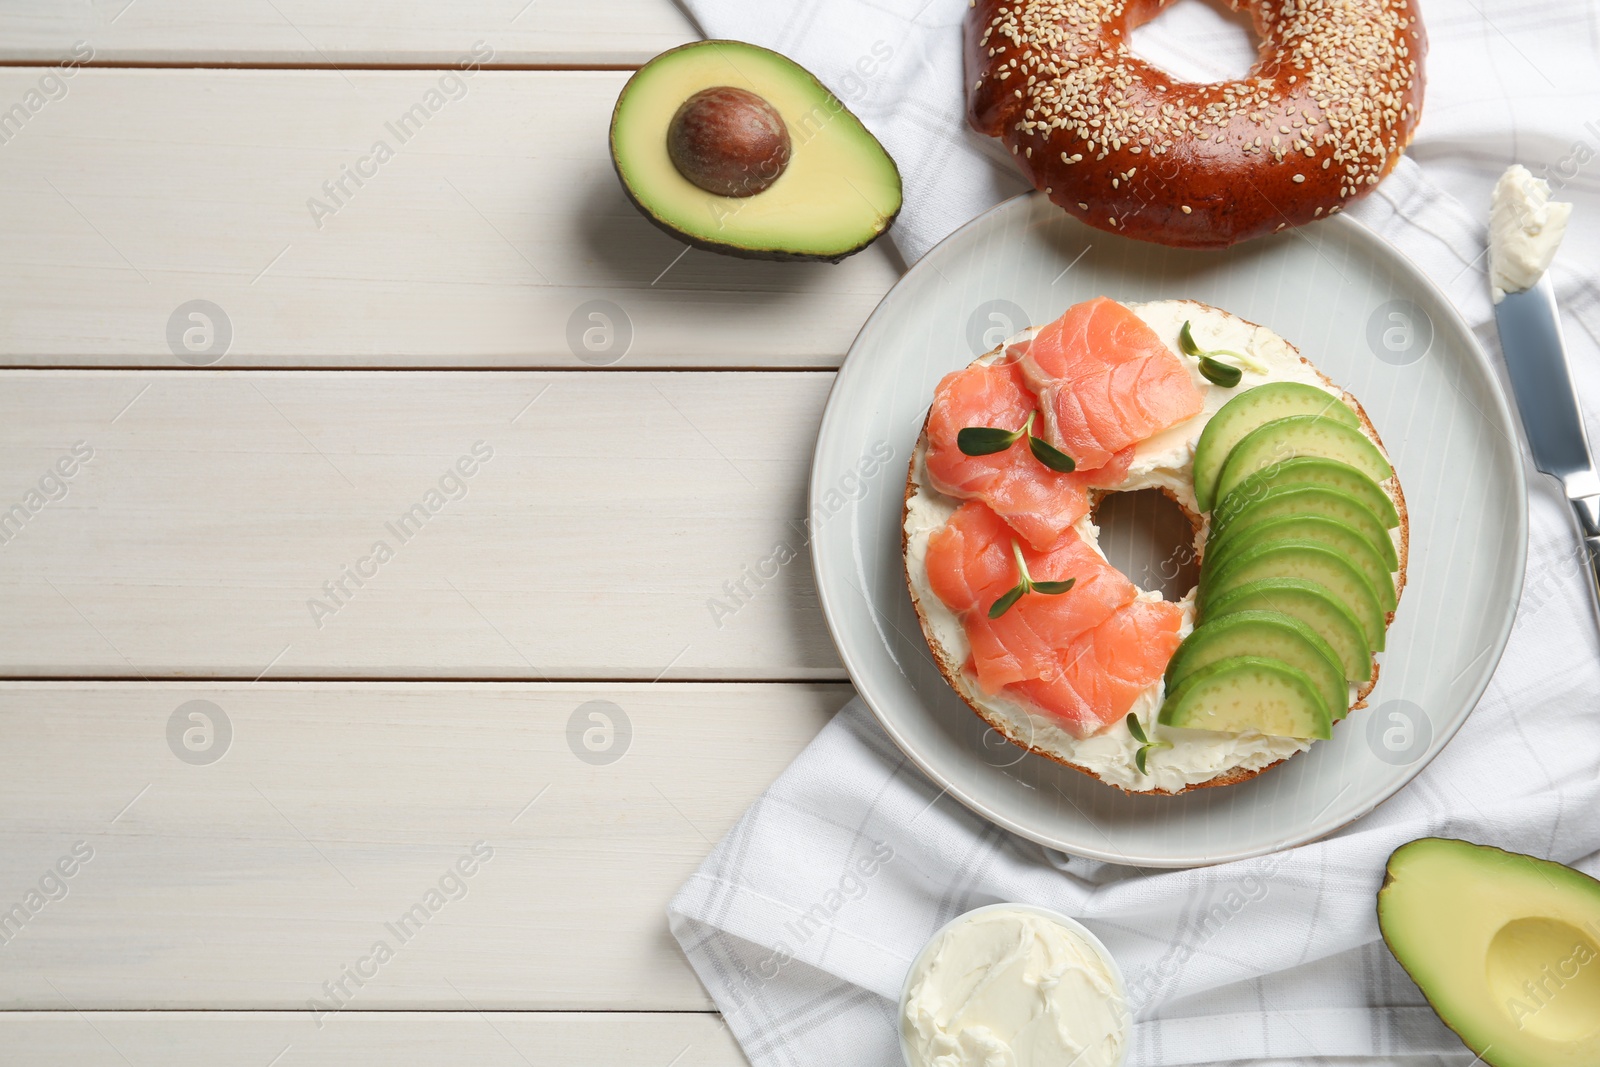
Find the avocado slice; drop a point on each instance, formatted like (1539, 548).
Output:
(1505, 947)
(1311, 560)
(1309, 470)
(1269, 634)
(831, 192)
(1311, 604)
(1357, 550)
(1246, 693)
(1291, 501)
(1249, 410)
(1301, 435)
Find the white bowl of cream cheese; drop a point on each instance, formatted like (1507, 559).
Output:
(1014, 985)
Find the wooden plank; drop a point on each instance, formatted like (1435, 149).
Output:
(322, 33)
(628, 526)
(394, 1039)
(334, 809)
(482, 235)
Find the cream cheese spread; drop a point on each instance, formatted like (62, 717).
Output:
(1009, 986)
(1525, 229)
(1164, 461)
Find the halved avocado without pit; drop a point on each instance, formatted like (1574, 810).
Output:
(1505, 947)
(737, 149)
(1247, 694)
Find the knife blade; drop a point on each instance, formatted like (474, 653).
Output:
(1536, 359)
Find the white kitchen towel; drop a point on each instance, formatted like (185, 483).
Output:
(803, 921)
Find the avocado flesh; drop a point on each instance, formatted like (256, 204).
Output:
(1301, 435)
(1505, 947)
(1288, 501)
(1308, 470)
(1269, 634)
(839, 191)
(1249, 694)
(1249, 410)
(1311, 604)
(1357, 550)
(1309, 560)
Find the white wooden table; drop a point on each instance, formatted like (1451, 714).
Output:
(194, 525)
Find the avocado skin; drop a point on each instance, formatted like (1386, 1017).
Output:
(1487, 1056)
(741, 251)
(729, 249)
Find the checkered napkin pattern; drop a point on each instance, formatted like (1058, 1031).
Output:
(804, 919)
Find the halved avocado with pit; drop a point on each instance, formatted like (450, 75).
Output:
(1505, 947)
(737, 149)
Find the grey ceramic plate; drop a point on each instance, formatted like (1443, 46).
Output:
(1371, 321)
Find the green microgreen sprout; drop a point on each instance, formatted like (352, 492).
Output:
(987, 440)
(1145, 744)
(1214, 369)
(1026, 584)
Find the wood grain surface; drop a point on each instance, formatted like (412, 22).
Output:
(303, 524)
(343, 33)
(242, 846)
(371, 219)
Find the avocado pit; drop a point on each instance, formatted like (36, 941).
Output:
(729, 141)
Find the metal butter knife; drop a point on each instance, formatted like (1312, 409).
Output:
(1530, 336)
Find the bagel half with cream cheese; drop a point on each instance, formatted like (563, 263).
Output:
(1182, 758)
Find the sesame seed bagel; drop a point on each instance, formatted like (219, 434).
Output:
(1322, 117)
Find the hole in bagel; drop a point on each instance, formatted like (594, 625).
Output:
(1195, 41)
(1147, 537)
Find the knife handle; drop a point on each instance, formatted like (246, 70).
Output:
(1587, 511)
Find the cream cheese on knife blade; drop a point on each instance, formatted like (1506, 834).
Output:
(1525, 229)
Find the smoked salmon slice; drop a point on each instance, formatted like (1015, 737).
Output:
(1105, 381)
(970, 566)
(1035, 501)
(1080, 657)
(1104, 670)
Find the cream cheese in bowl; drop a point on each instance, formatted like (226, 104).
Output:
(1012, 985)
